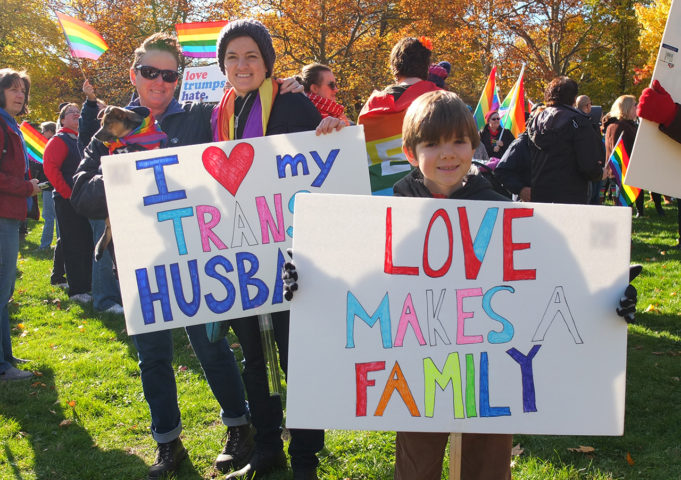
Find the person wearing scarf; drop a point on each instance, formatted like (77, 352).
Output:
(495, 138)
(253, 108)
(15, 189)
(321, 88)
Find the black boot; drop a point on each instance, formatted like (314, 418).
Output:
(238, 448)
(168, 458)
(307, 474)
(261, 463)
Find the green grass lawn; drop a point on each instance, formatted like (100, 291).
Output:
(84, 416)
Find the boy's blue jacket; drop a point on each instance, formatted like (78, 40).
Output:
(475, 188)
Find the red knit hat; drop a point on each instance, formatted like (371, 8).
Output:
(489, 114)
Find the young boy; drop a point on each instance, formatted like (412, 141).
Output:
(439, 136)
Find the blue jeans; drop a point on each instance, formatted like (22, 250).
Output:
(9, 251)
(49, 215)
(105, 289)
(155, 352)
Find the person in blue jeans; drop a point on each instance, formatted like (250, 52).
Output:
(154, 75)
(48, 129)
(15, 189)
(106, 293)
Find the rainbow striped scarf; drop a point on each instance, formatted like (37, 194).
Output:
(256, 124)
(148, 135)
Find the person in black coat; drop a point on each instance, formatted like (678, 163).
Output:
(569, 150)
(494, 137)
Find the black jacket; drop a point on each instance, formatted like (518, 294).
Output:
(514, 170)
(674, 129)
(475, 188)
(187, 124)
(88, 124)
(569, 155)
(489, 142)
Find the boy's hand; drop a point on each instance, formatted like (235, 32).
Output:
(656, 105)
(627, 306)
(290, 277)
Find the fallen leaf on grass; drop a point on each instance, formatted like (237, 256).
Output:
(582, 449)
(182, 368)
(516, 450)
(652, 308)
(676, 379)
(235, 346)
(630, 460)
(72, 403)
(38, 374)
(20, 326)
(24, 333)
(66, 422)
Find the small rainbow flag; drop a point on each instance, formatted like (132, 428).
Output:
(34, 140)
(512, 109)
(489, 100)
(199, 39)
(84, 41)
(619, 163)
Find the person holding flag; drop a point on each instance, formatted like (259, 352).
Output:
(569, 150)
(495, 138)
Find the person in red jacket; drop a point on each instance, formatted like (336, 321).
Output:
(60, 161)
(15, 189)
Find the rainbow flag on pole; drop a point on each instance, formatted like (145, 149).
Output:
(84, 41)
(489, 100)
(512, 109)
(618, 163)
(35, 142)
(199, 39)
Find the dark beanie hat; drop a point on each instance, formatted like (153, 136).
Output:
(247, 28)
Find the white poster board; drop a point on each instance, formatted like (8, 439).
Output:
(200, 232)
(202, 84)
(496, 317)
(655, 160)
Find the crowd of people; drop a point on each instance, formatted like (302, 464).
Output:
(431, 139)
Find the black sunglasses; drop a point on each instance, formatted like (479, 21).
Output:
(332, 85)
(150, 73)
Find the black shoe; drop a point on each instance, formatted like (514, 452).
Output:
(168, 458)
(261, 463)
(238, 448)
(305, 474)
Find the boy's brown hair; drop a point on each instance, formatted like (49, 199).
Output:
(436, 115)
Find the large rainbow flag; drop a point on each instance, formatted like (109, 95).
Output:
(489, 100)
(618, 163)
(84, 41)
(35, 142)
(512, 109)
(199, 39)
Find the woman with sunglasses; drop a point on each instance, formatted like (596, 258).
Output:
(154, 73)
(495, 138)
(15, 189)
(321, 88)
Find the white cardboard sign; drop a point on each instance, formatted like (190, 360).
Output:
(458, 316)
(655, 160)
(201, 231)
(202, 84)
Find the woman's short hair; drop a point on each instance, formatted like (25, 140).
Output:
(158, 41)
(9, 77)
(312, 75)
(437, 115)
(621, 107)
(561, 91)
(62, 112)
(48, 127)
(410, 58)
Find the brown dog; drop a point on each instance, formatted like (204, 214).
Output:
(116, 123)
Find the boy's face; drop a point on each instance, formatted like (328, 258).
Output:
(443, 164)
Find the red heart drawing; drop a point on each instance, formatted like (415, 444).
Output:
(230, 170)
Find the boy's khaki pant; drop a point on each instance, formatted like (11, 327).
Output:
(483, 456)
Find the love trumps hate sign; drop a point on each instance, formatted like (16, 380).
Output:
(458, 316)
(201, 231)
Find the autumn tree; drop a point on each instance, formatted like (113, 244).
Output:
(652, 18)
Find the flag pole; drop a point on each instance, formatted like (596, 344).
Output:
(69, 44)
